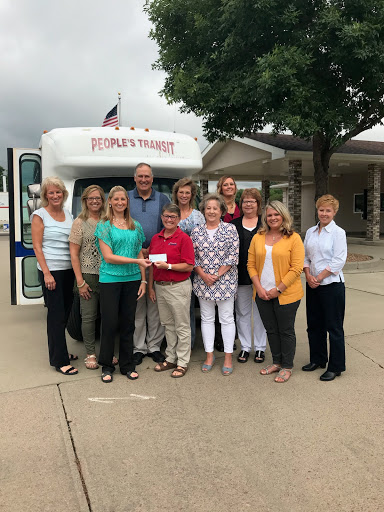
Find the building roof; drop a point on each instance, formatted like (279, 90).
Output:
(291, 143)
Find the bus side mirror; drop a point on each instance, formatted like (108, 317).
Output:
(34, 202)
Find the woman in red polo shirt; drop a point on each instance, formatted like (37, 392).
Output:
(170, 286)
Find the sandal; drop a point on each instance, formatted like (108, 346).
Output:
(91, 362)
(259, 356)
(182, 370)
(284, 375)
(106, 374)
(132, 377)
(115, 361)
(271, 368)
(69, 371)
(165, 365)
(243, 356)
(72, 357)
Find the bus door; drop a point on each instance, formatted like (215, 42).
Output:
(24, 168)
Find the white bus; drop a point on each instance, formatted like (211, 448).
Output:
(81, 157)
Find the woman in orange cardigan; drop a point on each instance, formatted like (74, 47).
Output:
(275, 262)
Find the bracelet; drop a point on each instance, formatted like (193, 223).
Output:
(82, 284)
(278, 290)
(146, 282)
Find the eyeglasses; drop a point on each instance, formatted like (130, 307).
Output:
(250, 202)
(170, 217)
(94, 199)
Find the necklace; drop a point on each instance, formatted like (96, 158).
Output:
(119, 223)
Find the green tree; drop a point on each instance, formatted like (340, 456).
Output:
(315, 68)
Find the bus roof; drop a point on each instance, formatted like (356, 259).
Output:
(87, 152)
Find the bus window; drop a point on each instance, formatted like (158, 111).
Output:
(30, 172)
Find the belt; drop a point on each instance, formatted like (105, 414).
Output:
(170, 283)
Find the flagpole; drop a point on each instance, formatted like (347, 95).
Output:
(119, 109)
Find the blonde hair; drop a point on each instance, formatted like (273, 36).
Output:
(213, 197)
(255, 194)
(328, 199)
(184, 182)
(84, 214)
(109, 213)
(286, 226)
(52, 181)
(219, 187)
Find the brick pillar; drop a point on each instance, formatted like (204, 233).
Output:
(203, 188)
(373, 202)
(294, 192)
(265, 186)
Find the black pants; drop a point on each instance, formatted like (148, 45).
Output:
(59, 304)
(279, 322)
(118, 307)
(325, 314)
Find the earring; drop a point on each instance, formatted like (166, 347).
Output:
(110, 205)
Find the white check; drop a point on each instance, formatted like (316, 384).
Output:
(157, 257)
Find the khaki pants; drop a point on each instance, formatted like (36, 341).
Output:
(173, 302)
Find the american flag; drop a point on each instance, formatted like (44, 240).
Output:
(111, 119)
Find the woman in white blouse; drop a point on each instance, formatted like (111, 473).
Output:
(325, 255)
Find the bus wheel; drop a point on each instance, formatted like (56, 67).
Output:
(74, 319)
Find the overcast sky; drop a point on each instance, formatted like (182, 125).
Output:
(63, 63)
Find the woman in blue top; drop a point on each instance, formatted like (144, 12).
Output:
(51, 225)
(122, 282)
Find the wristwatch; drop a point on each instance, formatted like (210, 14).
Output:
(278, 290)
(169, 266)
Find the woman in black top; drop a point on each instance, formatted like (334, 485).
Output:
(247, 226)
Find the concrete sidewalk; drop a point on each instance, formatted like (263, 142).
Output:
(201, 443)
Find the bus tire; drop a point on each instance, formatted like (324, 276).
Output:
(74, 319)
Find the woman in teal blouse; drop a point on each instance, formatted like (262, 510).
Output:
(119, 238)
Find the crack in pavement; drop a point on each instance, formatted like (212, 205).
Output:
(362, 353)
(78, 464)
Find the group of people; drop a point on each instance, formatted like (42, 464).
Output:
(142, 260)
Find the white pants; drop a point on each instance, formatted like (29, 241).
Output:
(227, 322)
(245, 306)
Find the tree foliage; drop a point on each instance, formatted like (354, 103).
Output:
(313, 67)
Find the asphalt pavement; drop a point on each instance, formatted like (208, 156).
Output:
(201, 443)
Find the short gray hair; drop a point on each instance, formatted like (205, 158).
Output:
(171, 208)
(141, 164)
(213, 197)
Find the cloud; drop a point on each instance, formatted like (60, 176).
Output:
(64, 63)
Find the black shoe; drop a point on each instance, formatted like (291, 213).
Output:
(157, 356)
(138, 357)
(329, 375)
(243, 356)
(310, 367)
(259, 356)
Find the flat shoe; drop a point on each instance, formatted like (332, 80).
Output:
(284, 374)
(106, 374)
(226, 370)
(208, 367)
(243, 356)
(68, 372)
(180, 369)
(157, 356)
(271, 368)
(310, 367)
(138, 358)
(132, 377)
(165, 365)
(327, 376)
(259, 356)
